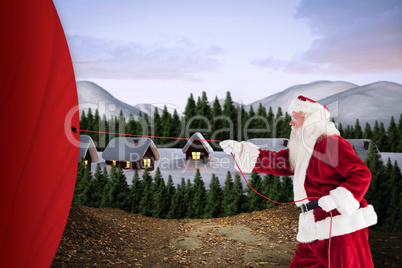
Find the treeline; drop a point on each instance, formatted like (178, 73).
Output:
(221, 122)
(385, 191)
(218, 122)
(387, 140)
(151, 196)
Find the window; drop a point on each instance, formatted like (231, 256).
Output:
(127, 164)
(86, 162)
(147, 162)
(196, 155)
(114, 162)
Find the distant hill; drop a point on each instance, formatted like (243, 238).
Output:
(90, 95)
(377, 101)
(315, 90)
(346, 101)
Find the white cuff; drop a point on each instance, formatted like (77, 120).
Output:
(248, 157)
(341, 199)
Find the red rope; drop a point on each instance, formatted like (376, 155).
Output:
(244, 177)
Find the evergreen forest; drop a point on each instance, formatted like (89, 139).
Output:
(157, 197)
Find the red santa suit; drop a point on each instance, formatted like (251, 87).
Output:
(331, 173)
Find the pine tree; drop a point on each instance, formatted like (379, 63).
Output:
(95, 127)
(270, 189)
(107, 201)
(377, 191)
(392, 134)
(199, 197)
(399, 134)
(228, 198)
(188, 199)
(83, 121)
(255, 201)
(229, 111)
(216, 121)
(167, 127)
(239, 199)
(262, 125)
(103, 137)
(159, 195)
(357, 134)
(136, 192)
(251, 124)
(121, 123)
(213, 208)
(177, 129)
(394, 221)
(242, 123)
(285, 129)
(146, 202)
(98, 184)
(178, 206)
(170, 193)
(83, 179)
(341, 131)
(189, 110)
(286, 190)
(131, 126)
(90, 119)
(118, 191)
(367, 134)
(203, 109)
(156, 125)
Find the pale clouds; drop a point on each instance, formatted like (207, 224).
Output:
(161, 60)
(352, 37)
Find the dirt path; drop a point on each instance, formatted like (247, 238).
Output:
(111, 237)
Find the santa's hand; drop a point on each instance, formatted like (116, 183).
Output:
(327, 203)
(231, 146)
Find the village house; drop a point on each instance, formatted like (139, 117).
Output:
(197, 148)
(136, 153)
(87, 151)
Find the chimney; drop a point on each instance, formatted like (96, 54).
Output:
(285, 142)
(136, 142)
(366, 145)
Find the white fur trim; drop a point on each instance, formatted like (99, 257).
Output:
(308, 108)
(309, 230)
(313, 127)
(248, 157)
(298, 182)
(346, 202)
(327, 203)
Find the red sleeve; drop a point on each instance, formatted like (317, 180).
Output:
(276, 163)
(356, 174)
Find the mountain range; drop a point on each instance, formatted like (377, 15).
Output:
(346, 101)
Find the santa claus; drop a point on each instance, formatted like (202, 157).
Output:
(328, 178)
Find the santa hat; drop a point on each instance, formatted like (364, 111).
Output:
(308, 107)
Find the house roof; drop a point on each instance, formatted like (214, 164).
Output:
(273, 144)
(129, 149)
(198, 136)
(358, 145)
(87, 145)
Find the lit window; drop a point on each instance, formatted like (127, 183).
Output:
(147, 163)
(127, 164)
(86, 162)
(196, 155)
(114, 162)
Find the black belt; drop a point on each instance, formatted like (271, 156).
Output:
(309, 206)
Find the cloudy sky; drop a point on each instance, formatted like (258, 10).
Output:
(160, 51)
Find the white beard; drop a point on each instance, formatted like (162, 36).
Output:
(298, 151)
